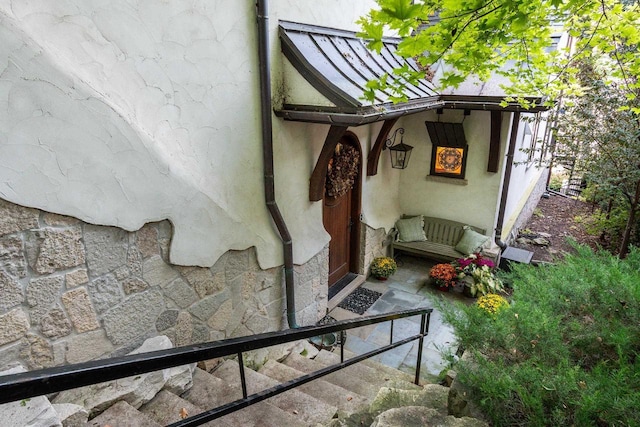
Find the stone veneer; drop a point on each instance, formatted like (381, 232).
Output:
(72, 292)
(375, 243)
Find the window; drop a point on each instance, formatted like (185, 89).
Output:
(449, 153)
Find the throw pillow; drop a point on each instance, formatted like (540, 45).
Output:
(411, 229)
(470, 241)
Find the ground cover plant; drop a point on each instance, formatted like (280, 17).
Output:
(564, 351)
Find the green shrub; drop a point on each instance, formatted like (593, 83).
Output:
(566, 349)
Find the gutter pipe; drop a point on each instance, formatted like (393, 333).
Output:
(507, 179)
(267, 156)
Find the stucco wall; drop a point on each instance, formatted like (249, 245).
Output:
(474, 203)
(72, 291)
(528, 179)
(129, 112)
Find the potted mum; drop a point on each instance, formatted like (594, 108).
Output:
(444, 276)
(478, 274)
(383, 267)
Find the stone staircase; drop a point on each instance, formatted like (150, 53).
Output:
(364, 394)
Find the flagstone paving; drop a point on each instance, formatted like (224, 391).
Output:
(407, 289)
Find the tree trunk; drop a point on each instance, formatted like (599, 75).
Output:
(631, 221)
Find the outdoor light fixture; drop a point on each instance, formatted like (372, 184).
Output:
(400, 153)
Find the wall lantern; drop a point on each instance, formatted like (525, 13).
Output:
(400, 153)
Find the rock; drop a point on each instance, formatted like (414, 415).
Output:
(450, 377)
(105, 293)
(87, 346)
(128, 322)
(32, 412)
(541, 241)
(431, 396)
(71, 415)
(11, 292)
(80, 310)
(545, 235)
(418, 416)
(136, 390)
(16, 218)
(42, 294)
(13, 326)
(77, 278)
(460, 403)
(55, 324)
(12, 259)
(58, 250)
(106, 248)
(122, 414)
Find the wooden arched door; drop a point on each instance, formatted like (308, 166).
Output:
(341, 207)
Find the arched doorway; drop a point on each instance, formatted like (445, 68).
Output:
(341, 207)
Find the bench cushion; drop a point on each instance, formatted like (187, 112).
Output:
(471, 241)
(411, 229)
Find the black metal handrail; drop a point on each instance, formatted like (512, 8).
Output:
(51, 380)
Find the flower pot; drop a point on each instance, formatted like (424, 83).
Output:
(443, 288)
(381, 278)
(466, 291)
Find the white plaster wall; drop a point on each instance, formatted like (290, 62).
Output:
(126, 112)
(524, 175)
(475, 203)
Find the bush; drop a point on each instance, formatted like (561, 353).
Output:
(565, 351)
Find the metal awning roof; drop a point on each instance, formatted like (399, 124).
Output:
(338, 65)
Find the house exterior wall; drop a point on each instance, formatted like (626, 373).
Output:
(72, 291)
(124, 113)
(474, 203)
(528, 178)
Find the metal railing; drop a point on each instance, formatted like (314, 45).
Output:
(51, 380)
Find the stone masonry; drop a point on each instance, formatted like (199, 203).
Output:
(375, 243)
(72, 292)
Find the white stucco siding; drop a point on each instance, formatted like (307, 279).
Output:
(524, 175)
(121, 113)
(474, 203)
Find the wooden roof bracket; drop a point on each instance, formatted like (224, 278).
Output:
(494, 142)
(374, 155)
(319, 174)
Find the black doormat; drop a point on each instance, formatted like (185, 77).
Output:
(360, 300)
(340, 284)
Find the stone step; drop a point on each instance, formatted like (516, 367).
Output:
(346, 401)
(340, 378)
(379, 378)
(122, 414)
(379, 367)
(431, 396)
(209, 392)
(167, 408)
(306, 408)
(421, 416)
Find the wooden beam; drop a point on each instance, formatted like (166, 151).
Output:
(374, 155)
(494, 142)
(319, 174)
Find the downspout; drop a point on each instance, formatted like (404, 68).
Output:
(507, 179)
(267, 156)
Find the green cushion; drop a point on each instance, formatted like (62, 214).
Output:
(411, 229)
(470, 241)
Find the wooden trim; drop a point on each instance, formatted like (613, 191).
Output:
(374, 154)
(494, 142)
(319, 174)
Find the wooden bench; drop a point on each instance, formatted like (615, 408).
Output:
(442, 237)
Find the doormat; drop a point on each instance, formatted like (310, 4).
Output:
(360, 300)
(341, 284)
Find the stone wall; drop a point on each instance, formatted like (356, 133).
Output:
(71, 291)
(375, 243)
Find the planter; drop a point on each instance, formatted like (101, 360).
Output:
(466, 291)
(443, 288)
(381, 278)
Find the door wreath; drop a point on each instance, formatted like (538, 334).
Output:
(342, 170)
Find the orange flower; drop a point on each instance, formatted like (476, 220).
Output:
(443, 274)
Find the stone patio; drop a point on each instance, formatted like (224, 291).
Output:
(408, 288)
